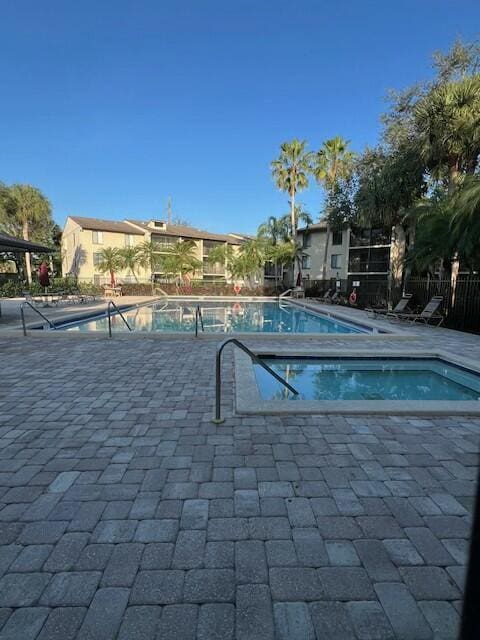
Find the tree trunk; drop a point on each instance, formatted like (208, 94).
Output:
(453, 175)
(112, 278)
(325, 255)
(397, 255)
(28, 264)
(294, 228)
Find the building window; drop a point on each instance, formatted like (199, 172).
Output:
(129, 240)
(307, 240)
(97, 237)
(337, 237)
(97, 258)
(336, 261)
(306, 262)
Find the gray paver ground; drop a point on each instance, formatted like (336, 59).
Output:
(125, 513)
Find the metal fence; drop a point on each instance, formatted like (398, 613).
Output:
(461, 302)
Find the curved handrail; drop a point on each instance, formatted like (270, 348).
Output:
(109, 315)
(22, 315)
(218, 374)
(198, 314)
(285, 293)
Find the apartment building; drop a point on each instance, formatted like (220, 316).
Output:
(325, 252)
(356, 257)
(84, 238)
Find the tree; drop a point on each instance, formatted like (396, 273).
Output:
(334, 162)
(180, 259)
(245, 262)
(148, 258)
(447, 122)
(273, 230)
(290, 172)
(111, 261)
(130, 260)
(25, 211)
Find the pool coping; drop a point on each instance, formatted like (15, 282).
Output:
(248, 401)
(366, 328)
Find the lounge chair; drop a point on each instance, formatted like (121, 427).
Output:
(401, 307)
(430, 313)
(335, 299)
(325, 297)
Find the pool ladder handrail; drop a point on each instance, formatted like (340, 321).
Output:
(44, 317)
(285, 294)
(218, 374)
(198, 316)
(110, 304)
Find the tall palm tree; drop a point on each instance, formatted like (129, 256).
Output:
(290, 172)
(447, 121)
(28, 207)
(333, 162)
(130, 260)
(111, 262)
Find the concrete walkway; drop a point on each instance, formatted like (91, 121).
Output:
(126, 514)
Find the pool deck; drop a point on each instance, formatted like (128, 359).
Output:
(126, 514)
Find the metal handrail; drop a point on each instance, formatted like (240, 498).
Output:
(22, 315)
(109, 315)
(218, 374)
(285, 293)
(198, 314)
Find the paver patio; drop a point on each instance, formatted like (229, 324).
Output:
(126, 514)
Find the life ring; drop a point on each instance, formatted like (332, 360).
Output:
(237, 288)
(352, 298)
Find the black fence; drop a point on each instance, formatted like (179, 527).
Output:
(370, 291)
(461, 303)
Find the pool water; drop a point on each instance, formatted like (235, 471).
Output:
(368, 379)
(223, 316)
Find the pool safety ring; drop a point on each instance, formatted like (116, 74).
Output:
(352, 298)
(237, 288)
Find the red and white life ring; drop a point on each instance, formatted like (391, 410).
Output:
(237, 288)
(352, 298)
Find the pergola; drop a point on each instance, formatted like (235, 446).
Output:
(10, 244)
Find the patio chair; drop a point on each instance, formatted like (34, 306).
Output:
(325, 297)
(400, 307)
(430, 313)
(335, 299)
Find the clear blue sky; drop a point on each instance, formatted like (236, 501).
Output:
(111, 106)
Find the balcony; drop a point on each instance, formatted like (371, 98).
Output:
(369, 238)
(217, 269)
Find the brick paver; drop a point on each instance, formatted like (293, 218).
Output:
(125, 513)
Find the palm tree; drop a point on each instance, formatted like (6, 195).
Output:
(180, 259)
(111, 260)
(447, 123)
(290, 171)
(273, 229)
(130, 260)
(28, 206)
(148, 258)
(333, 163)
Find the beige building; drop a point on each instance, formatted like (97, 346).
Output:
(84, 238)
(325, 252)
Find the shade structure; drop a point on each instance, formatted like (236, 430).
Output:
(17, 245)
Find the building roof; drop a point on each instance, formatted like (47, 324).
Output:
(317, 226)
(94, 224)
(185, 232)
(18, 245)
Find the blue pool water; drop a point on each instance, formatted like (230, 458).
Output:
(368, 379)
(223, 316)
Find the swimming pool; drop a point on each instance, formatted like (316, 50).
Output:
(373, 379)
(221, 316)
(354, 382)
